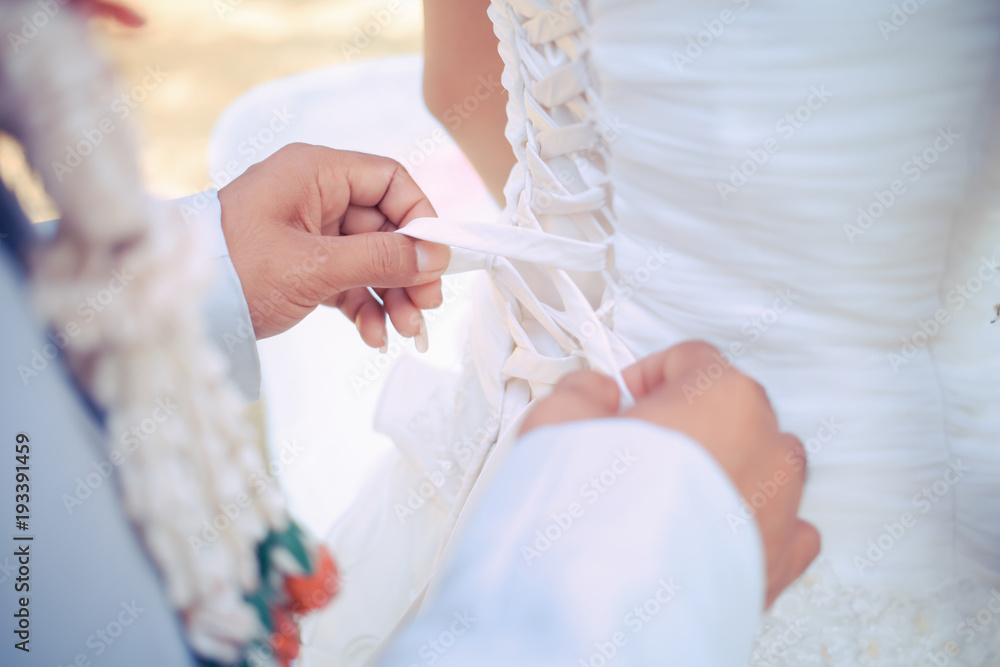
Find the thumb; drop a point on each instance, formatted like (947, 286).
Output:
(578, 396)
(378, 259)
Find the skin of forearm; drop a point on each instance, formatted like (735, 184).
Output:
(462, 85)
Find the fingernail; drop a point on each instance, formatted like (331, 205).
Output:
(420, 340)
(385, 344)
(432, 257)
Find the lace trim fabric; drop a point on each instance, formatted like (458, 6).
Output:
(819, 622)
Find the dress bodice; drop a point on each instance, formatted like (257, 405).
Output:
(822, 180)
(822, 177)
(815, 135)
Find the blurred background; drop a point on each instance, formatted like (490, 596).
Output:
(208, 53)
(204, 77)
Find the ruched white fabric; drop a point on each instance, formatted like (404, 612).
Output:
(814, 187)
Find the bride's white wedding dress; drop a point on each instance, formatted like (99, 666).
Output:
(814, 187)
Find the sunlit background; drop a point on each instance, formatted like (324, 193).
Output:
(206, 74)
(209, 53)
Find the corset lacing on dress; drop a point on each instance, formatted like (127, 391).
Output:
(553, 266)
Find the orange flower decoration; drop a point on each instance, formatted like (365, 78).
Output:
(285, 638)
(314, 591)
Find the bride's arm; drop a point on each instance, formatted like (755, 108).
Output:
(462, 85)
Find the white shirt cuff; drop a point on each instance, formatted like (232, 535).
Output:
(226, 312)
(599, 541)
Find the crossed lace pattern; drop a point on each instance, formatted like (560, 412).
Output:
(550, 255)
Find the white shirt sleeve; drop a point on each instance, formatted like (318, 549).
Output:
(226, 312)
(599, 542)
